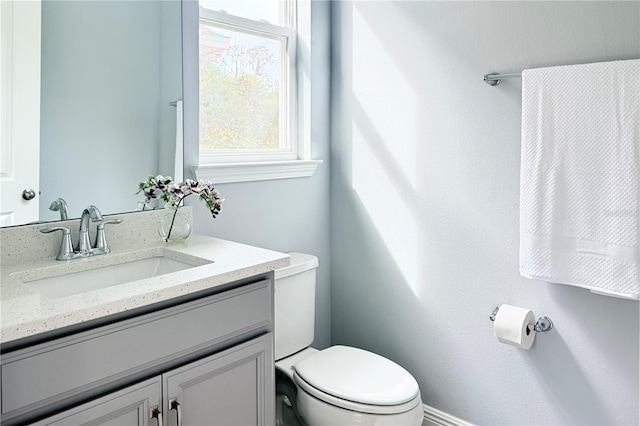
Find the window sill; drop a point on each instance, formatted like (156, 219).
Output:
(249, 172)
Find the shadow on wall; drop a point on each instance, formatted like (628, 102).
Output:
(570, 391)
(597, 325)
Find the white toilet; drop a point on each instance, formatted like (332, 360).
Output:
(340, 385)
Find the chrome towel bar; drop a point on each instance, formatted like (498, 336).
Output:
(494, 79)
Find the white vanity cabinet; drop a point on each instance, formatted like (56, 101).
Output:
(206, 360)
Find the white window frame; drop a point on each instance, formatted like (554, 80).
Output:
(225, 166)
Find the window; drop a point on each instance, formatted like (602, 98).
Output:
(252, 100)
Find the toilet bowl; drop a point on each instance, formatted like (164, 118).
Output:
(340, 385)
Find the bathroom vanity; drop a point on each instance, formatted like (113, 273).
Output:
(189, 346)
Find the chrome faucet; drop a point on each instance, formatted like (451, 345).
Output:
(84, 242)
(84, 247)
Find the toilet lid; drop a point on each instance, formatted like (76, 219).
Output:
(359, 376)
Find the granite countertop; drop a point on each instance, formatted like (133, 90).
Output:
(25, 311)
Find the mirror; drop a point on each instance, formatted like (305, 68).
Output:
(109, 73)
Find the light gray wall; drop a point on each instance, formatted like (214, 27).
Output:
(284, 215)
(109, 70)
(424, 184)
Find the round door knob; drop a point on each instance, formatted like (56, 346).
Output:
(28, 194)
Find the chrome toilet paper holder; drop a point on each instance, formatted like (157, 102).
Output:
(543, 324)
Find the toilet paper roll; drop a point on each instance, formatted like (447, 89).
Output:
(514, 326)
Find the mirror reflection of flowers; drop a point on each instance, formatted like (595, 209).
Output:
(163, 188)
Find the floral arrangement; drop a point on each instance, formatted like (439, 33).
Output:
(163, 187)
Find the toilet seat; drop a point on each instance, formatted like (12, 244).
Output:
(357, 380)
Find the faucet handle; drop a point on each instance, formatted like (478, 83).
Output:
(109, 222)
(64, 230)
(66, 247)
(101, 246)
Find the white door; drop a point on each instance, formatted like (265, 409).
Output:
(19, 110)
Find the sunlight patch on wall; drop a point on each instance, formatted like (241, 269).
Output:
(386, 97)
(394, 221)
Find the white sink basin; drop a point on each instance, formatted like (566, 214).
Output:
(108, 276)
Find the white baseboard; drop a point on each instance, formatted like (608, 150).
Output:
(435, 417)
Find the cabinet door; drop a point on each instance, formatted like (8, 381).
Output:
(132, 406)
(233, 387)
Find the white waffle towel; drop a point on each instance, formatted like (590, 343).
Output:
(579, 189)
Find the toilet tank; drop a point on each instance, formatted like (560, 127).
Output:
(295, 304)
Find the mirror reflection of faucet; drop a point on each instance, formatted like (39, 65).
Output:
(60, 205)
(83, 247)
